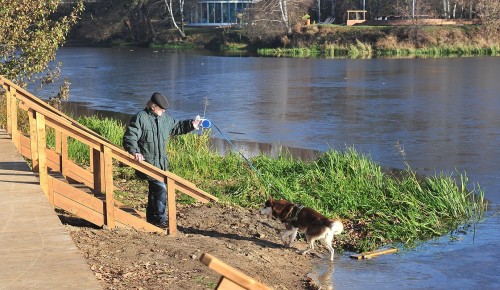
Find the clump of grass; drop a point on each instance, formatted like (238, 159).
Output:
(360, 50)
(290, 52)
(232, 46)
(177, 45)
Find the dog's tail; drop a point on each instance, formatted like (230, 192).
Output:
(336, 226)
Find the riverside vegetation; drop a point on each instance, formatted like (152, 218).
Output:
(401, 209)
(383, 41)
(337, 41)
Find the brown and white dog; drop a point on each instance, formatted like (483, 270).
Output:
(296, 217)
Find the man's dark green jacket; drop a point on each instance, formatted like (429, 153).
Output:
(148, 133)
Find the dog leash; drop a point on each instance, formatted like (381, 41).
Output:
(234, 148)
(244, 157)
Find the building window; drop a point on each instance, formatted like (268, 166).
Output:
(215, 13)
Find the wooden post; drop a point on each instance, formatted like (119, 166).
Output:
(13, 116)
(97, 168)
(172, 215)
(64, 154)
(92, 153)
(9, 119)
(108, 177)
(33, 140)
(42, 156)
(58, 148)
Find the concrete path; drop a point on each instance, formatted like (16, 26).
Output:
(36, 251)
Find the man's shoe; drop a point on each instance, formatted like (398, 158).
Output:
(162, 225)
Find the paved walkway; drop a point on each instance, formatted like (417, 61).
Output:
(36, 251)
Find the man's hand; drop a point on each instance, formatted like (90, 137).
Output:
(138, 157)
(196, 122)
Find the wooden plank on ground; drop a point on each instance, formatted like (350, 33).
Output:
(234, 275)
(371, 254)
(226, 284)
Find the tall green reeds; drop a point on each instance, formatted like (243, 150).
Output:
(110, 129)
(392, 209)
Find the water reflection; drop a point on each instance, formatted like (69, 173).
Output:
(322, 275)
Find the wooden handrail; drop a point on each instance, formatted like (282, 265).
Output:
(102, 154)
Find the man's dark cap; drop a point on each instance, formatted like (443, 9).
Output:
(160, 100)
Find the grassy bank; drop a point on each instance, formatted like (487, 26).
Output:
(385, 208)
(332, 41)
(338, 41)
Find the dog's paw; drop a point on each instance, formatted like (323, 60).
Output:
(303, 252)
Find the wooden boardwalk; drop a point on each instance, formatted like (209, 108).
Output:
(36, 251)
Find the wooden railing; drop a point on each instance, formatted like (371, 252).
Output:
(56, 170)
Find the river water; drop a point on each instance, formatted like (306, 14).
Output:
(435, 114)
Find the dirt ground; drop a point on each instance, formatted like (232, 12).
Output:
(242, 238)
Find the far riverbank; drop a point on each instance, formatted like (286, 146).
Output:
(325, 40)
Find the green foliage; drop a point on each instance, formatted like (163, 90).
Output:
(29, 37)
(110, 129)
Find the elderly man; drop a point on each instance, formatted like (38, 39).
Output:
(146, 138)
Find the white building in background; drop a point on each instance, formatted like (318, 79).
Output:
(218, 12)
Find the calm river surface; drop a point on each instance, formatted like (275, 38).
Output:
(442, 112)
